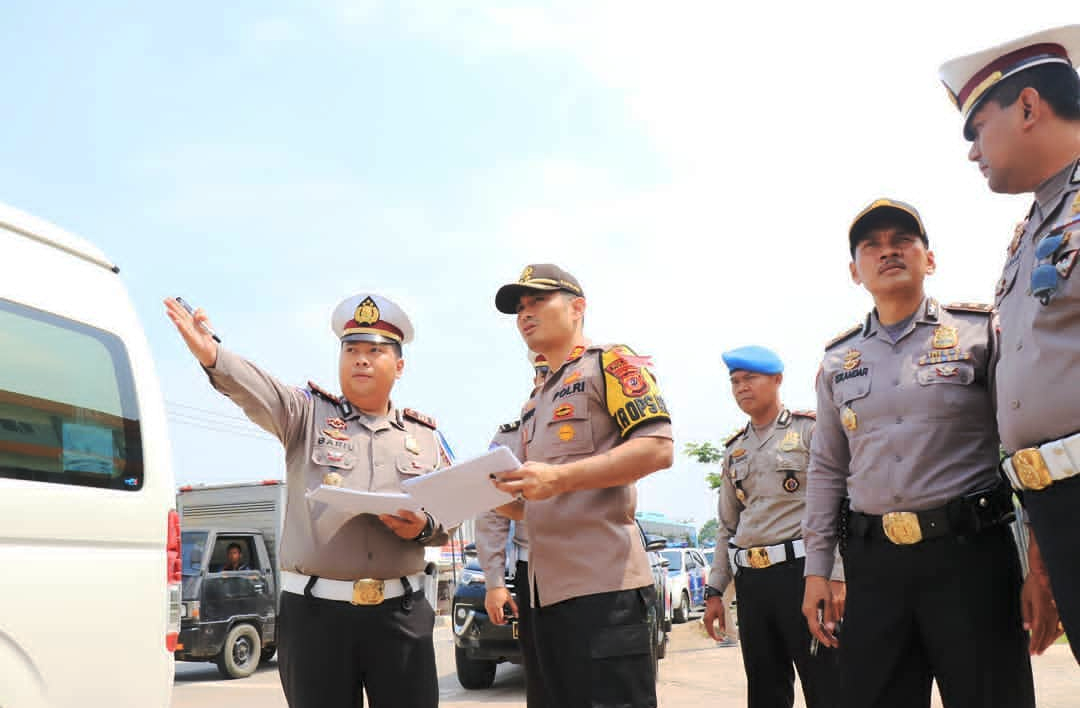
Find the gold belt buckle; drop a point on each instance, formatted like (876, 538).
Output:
(514, 628)
(367, 591)
(902, 527)
(1031, 469)
(758, 557)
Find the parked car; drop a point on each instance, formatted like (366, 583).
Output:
(89, 540)
(480, 646)
(687, 574)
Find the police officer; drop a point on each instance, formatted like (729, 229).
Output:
(353, 616)
(1020, 106)
(906, 431)
(761, 505)
(599, 424)
(493, 536)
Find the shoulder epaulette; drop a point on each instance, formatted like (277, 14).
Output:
(805, 414)
(322, 393)
(420, 418)
(976, 307)
(510, 427)
(847, 334)
(734, 436)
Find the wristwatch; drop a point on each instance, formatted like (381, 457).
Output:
(710, 591)
(427, 532)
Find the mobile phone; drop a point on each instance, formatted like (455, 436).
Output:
(191, 311)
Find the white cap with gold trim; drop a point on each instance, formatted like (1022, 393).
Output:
(368, 317)
(969, 78)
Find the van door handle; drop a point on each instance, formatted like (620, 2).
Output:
(259, 587)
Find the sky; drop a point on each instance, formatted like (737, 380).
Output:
(695, 167)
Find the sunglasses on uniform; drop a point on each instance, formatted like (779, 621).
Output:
(1047, 275)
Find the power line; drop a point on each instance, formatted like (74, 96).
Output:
(253, 433)
(205, 410)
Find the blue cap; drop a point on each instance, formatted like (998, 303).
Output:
(753, 358)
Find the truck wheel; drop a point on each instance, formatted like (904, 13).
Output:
(682, 612)
(473, 673)
(267, 653)
(240, 656)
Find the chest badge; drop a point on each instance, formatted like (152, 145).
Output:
(790, 441)
(336, 423)
(738, 453)
(1076, 204)
(335, 434)
(566, 432)
(411, 445)
(573, 378)
(849, 419)
(852, 359)
(1017, 235)
(564, 411)
(946, 337)
(333, 479)
(791, 483)
(947, 370)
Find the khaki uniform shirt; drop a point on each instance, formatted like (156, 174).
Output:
(371, 453)
(493, 530)
(904, 426)
(763, 496)
(1038, 397)
(586, 542)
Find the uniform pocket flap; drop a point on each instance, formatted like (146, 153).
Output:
(946, 373)
(408, 464)
(625, 640)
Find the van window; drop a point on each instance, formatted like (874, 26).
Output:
(68, 413)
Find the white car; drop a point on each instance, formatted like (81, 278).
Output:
(89, 541)
(687, 575)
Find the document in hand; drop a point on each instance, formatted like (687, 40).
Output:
(464, 490)
(362, 502)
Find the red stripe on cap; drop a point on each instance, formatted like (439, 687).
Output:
(381, 325)
(1007, 62)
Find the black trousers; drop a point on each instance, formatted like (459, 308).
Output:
(330, 652)
(535, 693)
(1054, 518)
(775, 640)
(595, 650)
(945, 609)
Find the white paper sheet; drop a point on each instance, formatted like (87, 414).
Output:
(464, 490)
(359, 502)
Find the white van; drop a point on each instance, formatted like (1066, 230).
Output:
(89, 542)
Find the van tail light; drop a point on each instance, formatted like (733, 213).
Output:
(173, 577)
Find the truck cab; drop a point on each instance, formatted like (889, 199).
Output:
(229, 613)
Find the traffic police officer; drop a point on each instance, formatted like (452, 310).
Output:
(761, 505)
(1020, 106)
(494, 539)
(906, 431)
(599, 424)
(353, 616)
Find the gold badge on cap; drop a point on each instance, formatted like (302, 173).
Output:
(852, 359)
(849, 419)
(367, 312)
(946, 337)
(526, 274)
(790, 442)
(411, 445)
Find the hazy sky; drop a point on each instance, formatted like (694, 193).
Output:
(695, 168)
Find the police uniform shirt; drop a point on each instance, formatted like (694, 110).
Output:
(371, 453)
(492, 529)
(586, 542)
(904, 426)
(1037, 397)
(763, 495)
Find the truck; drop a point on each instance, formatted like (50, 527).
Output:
(229, 612)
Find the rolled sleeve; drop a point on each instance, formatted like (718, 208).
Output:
(826, 483)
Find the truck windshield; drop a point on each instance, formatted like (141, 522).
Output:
(193, 542)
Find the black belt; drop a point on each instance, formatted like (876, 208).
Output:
(964, 516)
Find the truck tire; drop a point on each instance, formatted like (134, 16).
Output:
(682, 612)
(473, 673)
(267, 653)
(240, 656)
